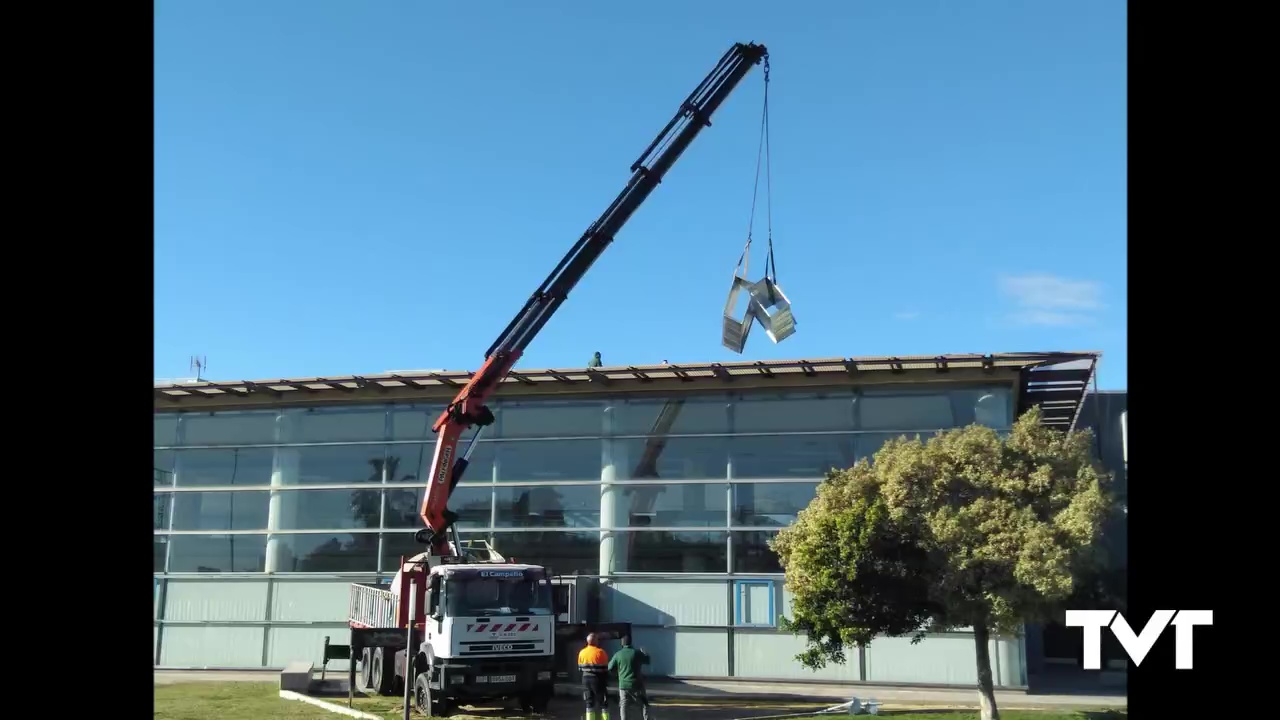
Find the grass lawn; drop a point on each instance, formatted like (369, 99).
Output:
(252, 701)
(261, 701)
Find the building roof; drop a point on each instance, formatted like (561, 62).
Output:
(1057, 381)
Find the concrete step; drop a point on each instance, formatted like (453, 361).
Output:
(296, 677)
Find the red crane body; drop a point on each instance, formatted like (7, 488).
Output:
(469, 407)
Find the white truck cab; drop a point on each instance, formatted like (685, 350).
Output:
(485, 630)
(488, 611)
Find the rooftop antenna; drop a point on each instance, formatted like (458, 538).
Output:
(199, 364)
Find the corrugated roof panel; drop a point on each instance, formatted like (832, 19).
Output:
(1051, 376)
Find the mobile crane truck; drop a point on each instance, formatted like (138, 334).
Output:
(484, 628)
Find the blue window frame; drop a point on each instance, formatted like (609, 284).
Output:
(753, 603)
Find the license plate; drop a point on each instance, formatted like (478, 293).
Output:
(496, 678)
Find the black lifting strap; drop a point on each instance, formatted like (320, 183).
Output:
(762, 158)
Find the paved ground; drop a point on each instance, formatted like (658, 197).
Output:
(893, 697)
(705, 698)
(169, 677)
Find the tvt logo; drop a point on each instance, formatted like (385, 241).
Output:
(1137, 645)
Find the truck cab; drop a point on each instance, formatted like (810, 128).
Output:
(488, 632)
(483, 629)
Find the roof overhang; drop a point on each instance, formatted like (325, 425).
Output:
(1060, 390)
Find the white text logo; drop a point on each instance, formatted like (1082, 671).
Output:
(1137, 645)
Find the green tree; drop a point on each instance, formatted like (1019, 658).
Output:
(965, 529)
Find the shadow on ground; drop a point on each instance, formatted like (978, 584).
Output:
(1075, 714)
(1074, 681)
(667, 709)
(562, 709)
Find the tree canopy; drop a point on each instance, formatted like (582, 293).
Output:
(963, 529)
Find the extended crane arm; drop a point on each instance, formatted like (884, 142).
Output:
(468, 407)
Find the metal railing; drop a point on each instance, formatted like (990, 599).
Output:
(371, 606)
(479, 550)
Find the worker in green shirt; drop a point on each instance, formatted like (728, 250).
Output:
(627, 663)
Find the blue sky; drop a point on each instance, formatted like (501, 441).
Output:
(358, 187)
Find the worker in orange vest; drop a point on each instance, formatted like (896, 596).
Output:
(594, 664)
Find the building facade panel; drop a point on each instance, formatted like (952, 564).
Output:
(211, 646)
(288, 644)
(663, 602)
(936, 659)
(685, 651)
(767, 655)
(309, 601)
(209, 600)
(670, 499)
(943, 658)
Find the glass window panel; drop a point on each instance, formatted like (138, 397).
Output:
(217, 553)
(791, 456)
(549, 506)
(162, 471)
(870, 443)
(159, 545)
(396, 545)
(990, 406)
(413, 422)
(407, 462)
(325, 509)
(327, 553)
(473, 505)
(237, 466)
(542, 418)
(675, 552)
(562, 553)
(770, 504)
(703, 458)
(794, 412)
(680, 416)
(544, 461)
(700, 505)
(336, 464)
(220, 510)
(251, 427)
(402, 544)
(897, 409)
(751, 553)
(166, 431)
(163, 505)
(403, 461)
(307, 425)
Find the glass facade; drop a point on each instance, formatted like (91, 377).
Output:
(337, 489)
(655, 492)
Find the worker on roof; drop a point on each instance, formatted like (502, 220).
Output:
(627, 663)
(595, 360)
(594, 664)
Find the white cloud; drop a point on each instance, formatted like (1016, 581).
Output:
(1049, 318)
(1047, 300)
(906, 315)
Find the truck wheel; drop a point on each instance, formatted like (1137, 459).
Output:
(366, 661)
(428, 701)
(383, 675)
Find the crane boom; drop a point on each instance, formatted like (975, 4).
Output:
(468, 408)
